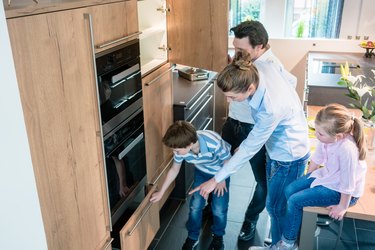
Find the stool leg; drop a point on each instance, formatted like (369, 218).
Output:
(339, 233)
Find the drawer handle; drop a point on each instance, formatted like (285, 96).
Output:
(203, 106)
(130, 232)
(199, 99)
(208, 123)
(107, 244)
(162, 172)
(117, 40)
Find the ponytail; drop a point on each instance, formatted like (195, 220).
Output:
(359, 138)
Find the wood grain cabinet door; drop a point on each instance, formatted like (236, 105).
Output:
(158, 115)
(142, 227)
(198, 33)
(114, 23)
(54, 65)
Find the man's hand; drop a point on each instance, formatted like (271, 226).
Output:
(220, 188)
(205, 188)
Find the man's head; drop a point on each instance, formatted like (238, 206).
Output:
(180, 136)
(252, 37)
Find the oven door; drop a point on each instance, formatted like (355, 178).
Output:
(125, 165)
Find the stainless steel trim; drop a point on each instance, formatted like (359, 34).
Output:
(87, 16)
(200, 98)
(128, 73)
(203, 106)
(208, 123)
(107, 244)
(127, 99)
(130, 232)
(130, 146)
(118, 40)
(162, 172)
(162, 74)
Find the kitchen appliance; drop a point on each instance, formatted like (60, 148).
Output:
(193, 74)
(193, 101)
(120, 98)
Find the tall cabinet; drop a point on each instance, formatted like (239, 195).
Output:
(54, 59)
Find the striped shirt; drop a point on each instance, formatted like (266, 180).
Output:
(213, 151)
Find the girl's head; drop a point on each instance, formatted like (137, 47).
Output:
(334, 121)
(180, 136)
(240, 79)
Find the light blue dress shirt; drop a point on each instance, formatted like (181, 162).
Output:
(280, 122)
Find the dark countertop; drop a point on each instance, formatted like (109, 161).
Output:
(324, 67)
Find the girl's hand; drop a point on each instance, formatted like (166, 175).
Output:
(155, 197)
(220, 188)
(337, 212)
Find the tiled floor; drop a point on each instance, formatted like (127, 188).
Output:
(356, 235)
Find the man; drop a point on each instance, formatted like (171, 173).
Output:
(252, 37)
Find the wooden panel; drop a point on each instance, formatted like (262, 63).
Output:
(114, 21)
(142, 227)
(55, 73)
(198, 33)
(158, 114)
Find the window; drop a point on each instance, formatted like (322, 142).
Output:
(313, 18)
(242, 10)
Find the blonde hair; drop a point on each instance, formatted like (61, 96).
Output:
(180, 135)
(239, 75)
(335, 119)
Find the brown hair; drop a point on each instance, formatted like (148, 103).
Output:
(239, 75)
(180, 135)
(335, 119)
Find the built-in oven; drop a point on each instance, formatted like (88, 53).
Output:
(120, 97)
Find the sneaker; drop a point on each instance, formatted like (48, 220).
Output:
(190, 244)
(281, 245)
(247, 231)
(217, 243)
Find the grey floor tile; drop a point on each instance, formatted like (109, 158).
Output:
(244, 177)
(239, 199)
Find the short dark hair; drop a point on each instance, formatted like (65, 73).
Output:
(180, 135)
(254, 30)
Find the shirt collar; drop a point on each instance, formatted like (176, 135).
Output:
(256, 100)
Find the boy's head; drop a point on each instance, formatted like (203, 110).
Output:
(250, 36)
(180, 135)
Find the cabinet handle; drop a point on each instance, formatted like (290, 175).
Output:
(88, 17)
(130, 232)
(162, 74)
(108, 243)
(163, 10)
(208, 123)
(130, 146)
(162, 172)
(117, 40)
(164, 48)
(199, 99)
(203, 106)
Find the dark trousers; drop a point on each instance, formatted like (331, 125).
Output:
(234, 132)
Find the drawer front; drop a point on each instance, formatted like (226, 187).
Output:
(195, 105)
(142, 227)
(203, 117)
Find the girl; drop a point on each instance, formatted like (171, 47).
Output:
(340, 182)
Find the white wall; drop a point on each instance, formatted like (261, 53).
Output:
(21, 224)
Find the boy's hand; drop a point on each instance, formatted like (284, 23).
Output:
(220, 189)
(155, 197)
(337, 212)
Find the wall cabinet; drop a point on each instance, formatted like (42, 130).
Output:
(54, 61)
(193, 33)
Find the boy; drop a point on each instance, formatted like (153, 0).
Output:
(207, 151)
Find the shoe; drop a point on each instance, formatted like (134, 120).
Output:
(190, 244)
(217, 243)
(247, 231)
(281, 245)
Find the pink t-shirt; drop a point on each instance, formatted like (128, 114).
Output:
(342, 171)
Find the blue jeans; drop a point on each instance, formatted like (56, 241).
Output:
(279, 176)
(234, 132)
(219, 206)
(300, 195)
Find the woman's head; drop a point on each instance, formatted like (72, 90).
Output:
(239, 79)
(335, 121)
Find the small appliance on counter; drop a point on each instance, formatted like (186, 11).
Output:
(193, 74)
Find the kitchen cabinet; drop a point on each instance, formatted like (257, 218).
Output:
(193, 33)
(54, 57)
